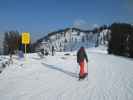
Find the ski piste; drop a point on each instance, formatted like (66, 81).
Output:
(54, 78)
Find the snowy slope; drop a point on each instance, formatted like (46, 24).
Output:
(55, 78)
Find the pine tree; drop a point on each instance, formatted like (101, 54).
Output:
(119, 41)
(131, 43)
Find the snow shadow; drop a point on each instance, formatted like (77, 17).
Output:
(61, 70)
(35, 58)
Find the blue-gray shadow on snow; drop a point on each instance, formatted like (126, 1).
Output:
(61, 70)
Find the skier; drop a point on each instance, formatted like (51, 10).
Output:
(11, 52)
(46, 52)
(81, 56)
(53, 50)
(42, 52)
(20, 54)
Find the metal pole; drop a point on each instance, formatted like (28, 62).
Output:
(25, 51)
(25, 48)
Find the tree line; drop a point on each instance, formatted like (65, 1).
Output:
(121, 39)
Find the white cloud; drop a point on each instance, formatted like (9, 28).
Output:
(82, 24)
(79, 22)
(95, 26)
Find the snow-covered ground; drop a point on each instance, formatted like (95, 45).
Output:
(55, 78)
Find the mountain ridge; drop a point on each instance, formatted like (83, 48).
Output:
(69, 38)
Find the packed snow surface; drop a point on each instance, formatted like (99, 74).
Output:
(56, 78)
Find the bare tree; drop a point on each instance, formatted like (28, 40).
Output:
(12, 41)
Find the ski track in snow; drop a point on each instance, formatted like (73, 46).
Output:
(109, 78)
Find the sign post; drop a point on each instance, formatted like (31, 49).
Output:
(25, 39)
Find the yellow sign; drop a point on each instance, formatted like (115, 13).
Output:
(25, 38)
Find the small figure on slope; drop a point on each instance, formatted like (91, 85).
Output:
(53, 50)
(20, 54)
(81, 56)
(42, 52)
(11, 52)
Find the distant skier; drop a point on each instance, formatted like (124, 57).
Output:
(81, 56)
(52, 50)
(46, 53)
(42, 52)
(11, 52)
(20, 54)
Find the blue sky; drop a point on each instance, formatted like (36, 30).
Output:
(42, 16)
